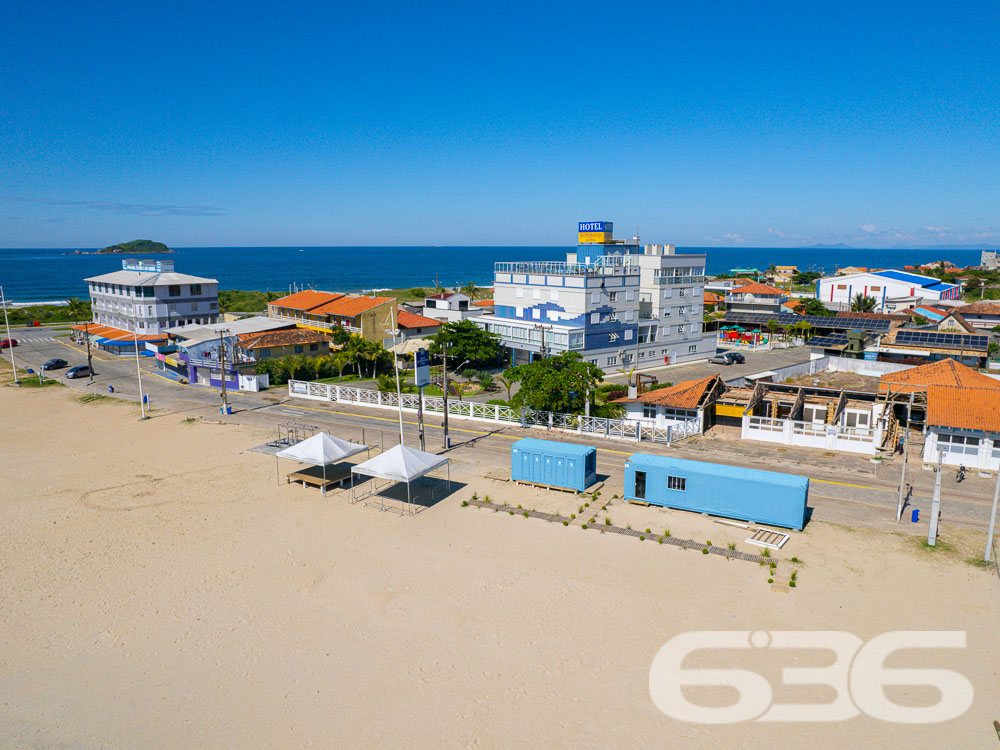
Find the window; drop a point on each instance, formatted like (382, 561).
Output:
(554, 295)
(640, 485)
(857, 419)
(628, 335)
(196, 290)
(264, 353)
(693, 349)
(592, 361)
(649, 411)
(298, 349)
(876, 289)
(612, 296)
(536, 293)
(314, 347)
(595, 297)
(519, 292)
(174, 290)
(536, 313)
(595, 318)
(147, 291)
(194, 307)
(630, 296)
(963, 444)
(214, 305)
(612, 361)
(680, 330)
(814, 414)
(682, 292)
(149, 309)
(677, 483)
(642, 355)
(841, 286)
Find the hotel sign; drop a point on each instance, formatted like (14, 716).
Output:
(423, 368)
(596, 226)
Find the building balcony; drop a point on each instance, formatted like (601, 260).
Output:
(671, 280)
(608, 265)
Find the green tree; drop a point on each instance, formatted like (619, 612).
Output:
(862, 303)
(339, 361)
(814, 307)
(485, 379)
(386, 383)
(507, 382)
(471, 291)
(354, 348)
(560, 383)
(318, 365)
(465, 340)
(77, 309)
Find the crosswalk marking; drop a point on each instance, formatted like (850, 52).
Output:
(32, 341)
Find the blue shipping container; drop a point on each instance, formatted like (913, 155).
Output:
(719, 490)
(553, 464)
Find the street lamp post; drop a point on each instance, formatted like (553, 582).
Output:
(10, 341)
(395, 364)
(224, 409)
(138, 369)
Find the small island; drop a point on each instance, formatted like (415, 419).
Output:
(136, 246)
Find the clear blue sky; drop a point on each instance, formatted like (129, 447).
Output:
(761, 124)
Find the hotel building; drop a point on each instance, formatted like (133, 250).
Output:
(616, 302)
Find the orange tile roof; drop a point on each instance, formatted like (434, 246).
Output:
(756, 288)
(683, 395)
(984, 307)
(945, 372)
(306, 300)
(963, 409)
(484, 303)
(280, 338)
(350, 307)
(710, 298)
(117, 334)
(406, 319)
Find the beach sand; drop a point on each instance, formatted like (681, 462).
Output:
(160, 590)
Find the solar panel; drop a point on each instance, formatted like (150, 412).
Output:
(871, 325)
(828, 342)
(942, 340)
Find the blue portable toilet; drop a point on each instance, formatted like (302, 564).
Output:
(717, 489)
(553, 464)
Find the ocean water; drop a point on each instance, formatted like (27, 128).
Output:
(55, 274)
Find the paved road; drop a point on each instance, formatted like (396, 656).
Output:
(755, 362)
(843, 490)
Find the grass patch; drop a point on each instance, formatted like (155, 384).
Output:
(31, 381)
(941, 545)
(978, 562)
(89, 398)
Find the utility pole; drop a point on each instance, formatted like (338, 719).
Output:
(10, 341)
(993, 519)
(543, 350)
(138, 370)
(395, 363)
(222, 370)
(906, 455)
(90, 365)
(444, 370)
(932, 532)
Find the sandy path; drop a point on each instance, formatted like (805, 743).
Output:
(159, 590)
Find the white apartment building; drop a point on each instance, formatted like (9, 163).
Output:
(618, 304)
(152, 295)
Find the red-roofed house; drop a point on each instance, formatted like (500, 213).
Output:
(756, 298)
(367, 316)
(667, 407)
(451, 306)
(963, 425)
(413, 326)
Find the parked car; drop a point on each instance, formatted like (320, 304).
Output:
(736, 357)
(32, 324)
(80, 371)
(721, 359)
(7, 343)
(55, 364)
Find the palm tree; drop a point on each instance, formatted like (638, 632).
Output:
(319, 364)
(354, 349)
(76, 308)
(385, 383)
(339, 361)
(507, 382)
(470, 290)
(862, 303)
(485, 380)
(628, 374)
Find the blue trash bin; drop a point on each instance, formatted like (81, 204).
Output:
(915, 515)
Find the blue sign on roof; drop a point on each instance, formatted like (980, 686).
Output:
(596, 226)
(908, 278)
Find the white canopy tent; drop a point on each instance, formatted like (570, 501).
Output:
(321, 449)
(400, 464)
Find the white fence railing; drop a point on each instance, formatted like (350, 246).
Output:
(618, 429)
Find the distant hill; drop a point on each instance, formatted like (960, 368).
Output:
(837, 246)
(136, 246)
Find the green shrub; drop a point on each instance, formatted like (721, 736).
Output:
(666, 532)
(614, 496)
(604, 507)
(475, 496)
(641, 537)
(486, 499)
(796, 560)
(607, 521)
(583, 526)
(770, 580)
(465, 504)
(565, 523)
(519, 507)
(511, 512)
(791, 584)
(525, 514)
(572, 515)
(732, 545)
(709, 542)
(766, 552)
(795, 574)
(704, 552)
